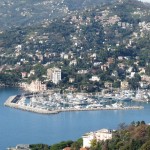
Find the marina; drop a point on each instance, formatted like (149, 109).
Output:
(140, 95)
(29, 128)
(53, 103)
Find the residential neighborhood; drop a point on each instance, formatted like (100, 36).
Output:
(72, 71)
(112, 52)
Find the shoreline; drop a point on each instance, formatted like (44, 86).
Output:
(86, 93)
(11, 102)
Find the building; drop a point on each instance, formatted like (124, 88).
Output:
(32, 72)
(73, 62)
(108, 84)
(20, 147)
(104, 67)
(144, 84)
(71, 80)
(34, 86)
(24, 74)
(67, 148)
(132, 74)
(54, 74)
(110, 60)
(82, 72)
(145, 78)
(38, 86)
(84, 149)
(100, 135)
(142, 70)
(124, 85)
(95, 78)
(66, 56)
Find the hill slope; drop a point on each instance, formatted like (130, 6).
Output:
(26, 12)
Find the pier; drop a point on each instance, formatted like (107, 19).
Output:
(13, 102)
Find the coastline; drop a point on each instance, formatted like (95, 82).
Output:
(11, 102)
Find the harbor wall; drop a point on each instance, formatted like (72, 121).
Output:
(12, 102)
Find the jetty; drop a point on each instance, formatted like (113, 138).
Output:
(14, 102)
(11, 102)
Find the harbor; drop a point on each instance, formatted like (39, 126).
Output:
(29, 127)
(53, 103)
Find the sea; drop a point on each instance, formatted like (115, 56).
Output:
(22, 127)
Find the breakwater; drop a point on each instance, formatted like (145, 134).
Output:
(13, 103)
(51, 129)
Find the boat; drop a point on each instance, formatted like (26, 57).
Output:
(117, 105)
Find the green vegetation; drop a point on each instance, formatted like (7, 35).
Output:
(61, 145)
(39, 147)
(133, 137)
(10, 78)
(74, 145)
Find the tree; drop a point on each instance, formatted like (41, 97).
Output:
(135, 144)
(122, 126)
(148, 70)
(39, 147)
(75, 146)
(134, 83)
(61, 145)
(80, 142)
(39, 70)
(95, 145)
(142, 122)
(116, 84)
(146, 146)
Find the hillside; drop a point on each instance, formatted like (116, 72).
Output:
(107, 41)
(27, 13)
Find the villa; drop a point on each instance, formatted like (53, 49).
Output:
(100, 135)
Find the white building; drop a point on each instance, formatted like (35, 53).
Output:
(32, 72)
(132, 74)
(20, 147)
(100, 135)
(82, 72)
(95, 78)
(73, 62)
(54, 74)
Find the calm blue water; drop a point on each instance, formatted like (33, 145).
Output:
(21, 127)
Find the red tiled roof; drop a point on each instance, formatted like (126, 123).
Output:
(67, 148)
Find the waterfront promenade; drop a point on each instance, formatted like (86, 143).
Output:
(12, 102)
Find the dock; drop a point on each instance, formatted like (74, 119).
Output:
(12, 102)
